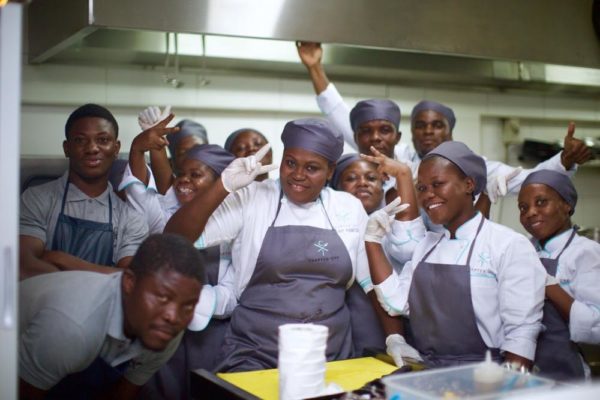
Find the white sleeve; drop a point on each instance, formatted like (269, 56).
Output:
(337, 112)
(401, 241)
(362, 273)
(144, 200)
(393, 292)
(226, 222)
(496, 168)
(521, 283)
(225, 291)
(217, 301)
(584, 321)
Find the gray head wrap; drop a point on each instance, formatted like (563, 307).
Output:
(214, 156)
(426, 105)
(369, 110)
(557, 181)
(468, 162)
(343, 163)
(187, 127)
(231, 138)
(315, 135)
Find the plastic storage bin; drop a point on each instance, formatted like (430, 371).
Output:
(458, 383)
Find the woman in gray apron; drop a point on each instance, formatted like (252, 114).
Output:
(363, 178)
(546, 202)
(300, 243)
(453, 286)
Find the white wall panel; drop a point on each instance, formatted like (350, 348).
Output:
(230, 102)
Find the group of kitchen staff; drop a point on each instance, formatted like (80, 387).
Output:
(293, 249)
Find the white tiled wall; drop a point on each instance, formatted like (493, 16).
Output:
(229, 102)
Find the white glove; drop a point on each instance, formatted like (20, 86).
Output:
(400, 351)
(497, 186)
(551, 280)
(380, 222)
(242, 171)
(152, 116)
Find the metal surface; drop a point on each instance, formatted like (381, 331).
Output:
(10, 111)
(548, 31)
(453, 45)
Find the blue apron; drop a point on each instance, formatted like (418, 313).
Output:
(89, 240)
(300, 276)
(98, 377)
(442, 317)
(556, 355)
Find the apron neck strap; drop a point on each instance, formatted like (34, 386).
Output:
(64, 198)
(279, 208)
(568, 243)
(474, 239)
(470, 249)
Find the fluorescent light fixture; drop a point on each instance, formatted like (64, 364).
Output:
(572, 75)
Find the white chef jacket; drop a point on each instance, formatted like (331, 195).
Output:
(507, 282)
(158, 209)
(332, 104)
(578, 272)
(245, 215)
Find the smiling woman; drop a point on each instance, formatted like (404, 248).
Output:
(482, 274)
(303, 174)
(300, 245)
(546, 202)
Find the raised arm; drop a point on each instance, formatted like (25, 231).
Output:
(503, 179)
(405, 188)
(152, 139)
(311, 55)
(575, 150)
(329, 100)
(190, 220)
(159, 162)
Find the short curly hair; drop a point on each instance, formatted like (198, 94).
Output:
(167, 251)
(91, 111)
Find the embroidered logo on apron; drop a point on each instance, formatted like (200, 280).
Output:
(321, 247)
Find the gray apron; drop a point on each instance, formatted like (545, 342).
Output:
(300, 276)
(556, 355)
(201, 349)
(368, 337)
(89, 240)
(442, 317)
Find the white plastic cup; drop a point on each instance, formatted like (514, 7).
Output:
(302, 335)
(290, 353)
(301, 360)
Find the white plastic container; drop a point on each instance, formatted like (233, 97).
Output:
(301, 360)
(460, 382)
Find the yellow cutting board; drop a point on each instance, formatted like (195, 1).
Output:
(349, 374)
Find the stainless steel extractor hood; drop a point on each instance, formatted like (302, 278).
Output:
(511, 44)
